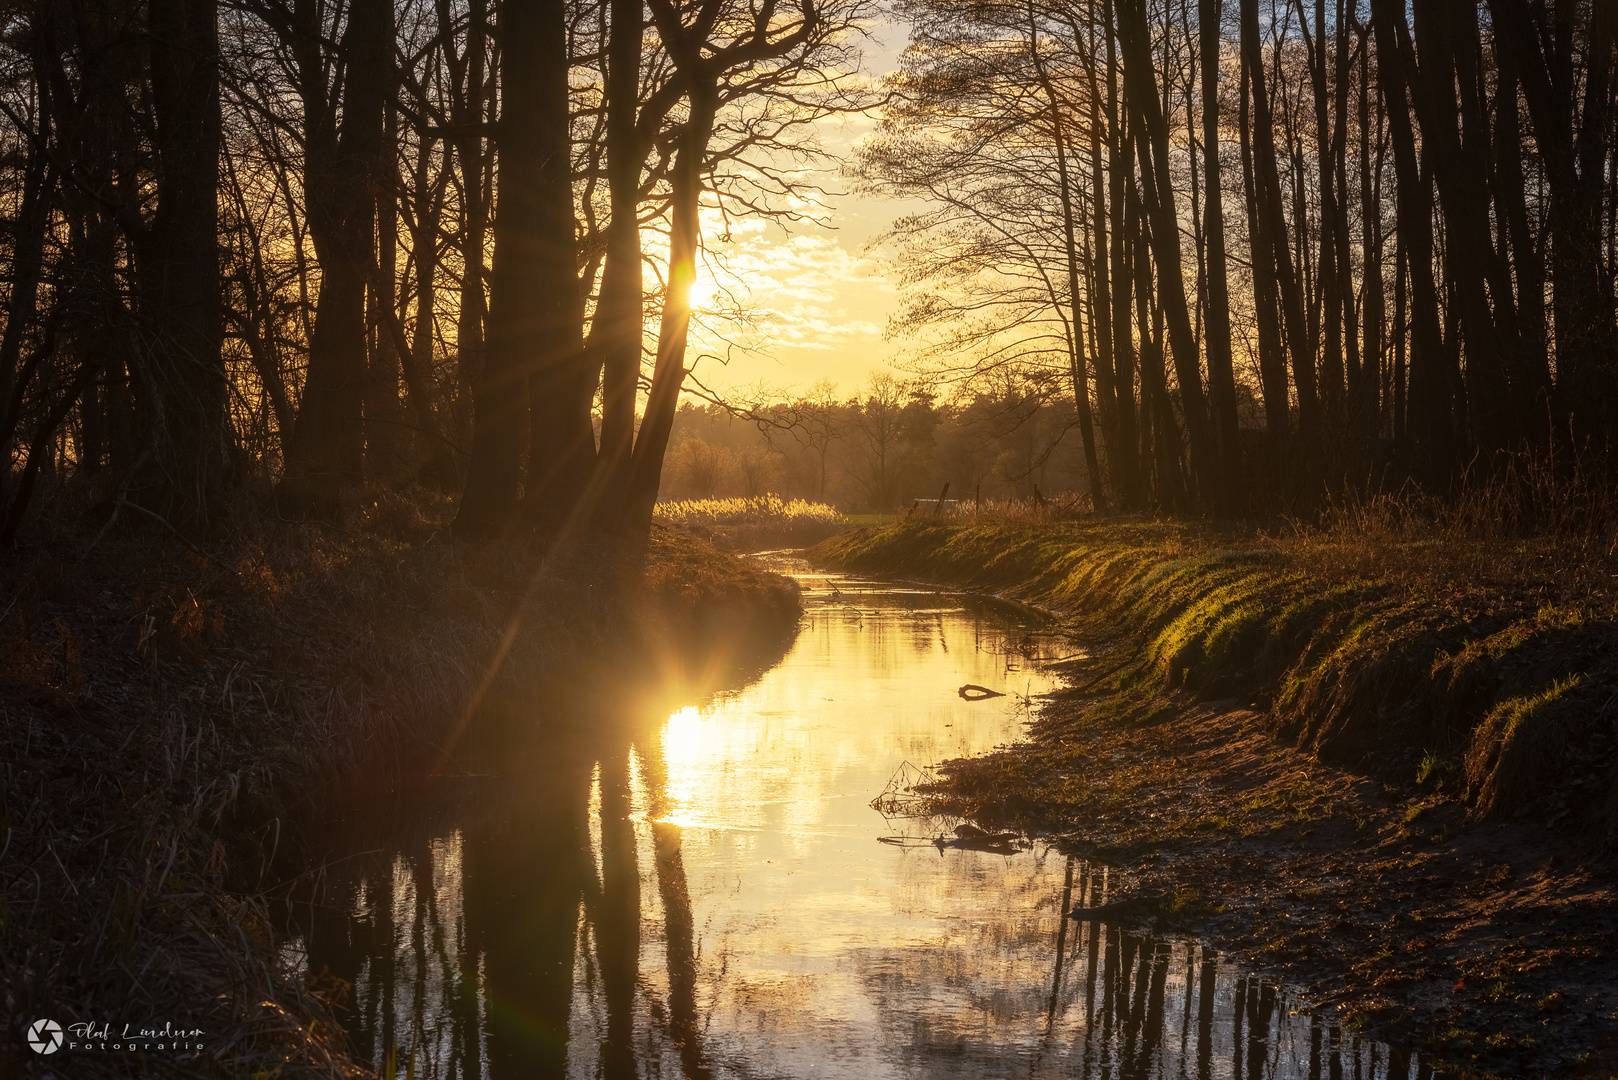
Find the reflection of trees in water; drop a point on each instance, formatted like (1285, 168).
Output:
(521, 940)
(475, 953)
(1116, 1004)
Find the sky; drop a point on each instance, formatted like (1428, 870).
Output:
(818, 296)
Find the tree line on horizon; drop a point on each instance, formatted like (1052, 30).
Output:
(1392, 223)
(884, 445)
(340, 246)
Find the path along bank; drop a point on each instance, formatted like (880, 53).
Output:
(175, 720)
(1384, 769)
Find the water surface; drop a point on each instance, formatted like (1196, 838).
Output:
(702, 889)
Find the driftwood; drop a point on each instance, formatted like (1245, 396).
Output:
(972, 838)
(974, 692)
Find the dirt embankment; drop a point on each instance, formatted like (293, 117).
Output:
(172, 717)
(1386, 779)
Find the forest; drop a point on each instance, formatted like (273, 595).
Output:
(1267, 251)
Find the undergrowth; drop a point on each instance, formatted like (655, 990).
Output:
(174, 717)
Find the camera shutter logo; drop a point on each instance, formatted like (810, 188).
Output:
(45, 1036)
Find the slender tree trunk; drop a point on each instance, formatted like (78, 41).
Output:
(1162, 220)
(1289, 286)
(1330, 268)
(1128, 469)
(387, 430)
(685, 239)
(1216, 333)
(1365, 405)
(1076, 350)
(470, 153)
(1429, 410)
(1271, 359)
(28, 249)
(1101, 298)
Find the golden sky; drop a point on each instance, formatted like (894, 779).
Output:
(819, 299)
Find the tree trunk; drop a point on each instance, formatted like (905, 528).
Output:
(1586, 338)
(533, 329)
(1128, 479)
(1271, 359)
(1162, 220)
(1216, 332)
(1076, 350)
(1289, 288)
(387, 425)
(183, 285)
(326, 466)
(668, 375)
(1429, 412)
(615, 331)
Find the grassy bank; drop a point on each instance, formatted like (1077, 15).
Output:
(174, 716)
(1478, 673)
(1382, 767)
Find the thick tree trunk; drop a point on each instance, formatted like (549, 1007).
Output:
(1460, 166)
(327, 464)
(561, 449)
(183, 286)
(1510, 186)
(1429, 412)
(534, 345)
(615, 331)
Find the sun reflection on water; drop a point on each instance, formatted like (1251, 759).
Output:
(704, 896)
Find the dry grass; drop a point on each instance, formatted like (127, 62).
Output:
(173, 718)
(753, 524)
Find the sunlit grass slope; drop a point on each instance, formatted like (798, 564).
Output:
(1395, 659)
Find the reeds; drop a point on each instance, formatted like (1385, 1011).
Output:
(750, 524)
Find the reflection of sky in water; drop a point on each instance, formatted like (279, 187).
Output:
(727, 911)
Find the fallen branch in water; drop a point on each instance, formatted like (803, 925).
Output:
(974, 692)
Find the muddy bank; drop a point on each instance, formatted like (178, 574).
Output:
(1395, 789)
(174, 719)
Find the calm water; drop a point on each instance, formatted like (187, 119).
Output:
(702, 890)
